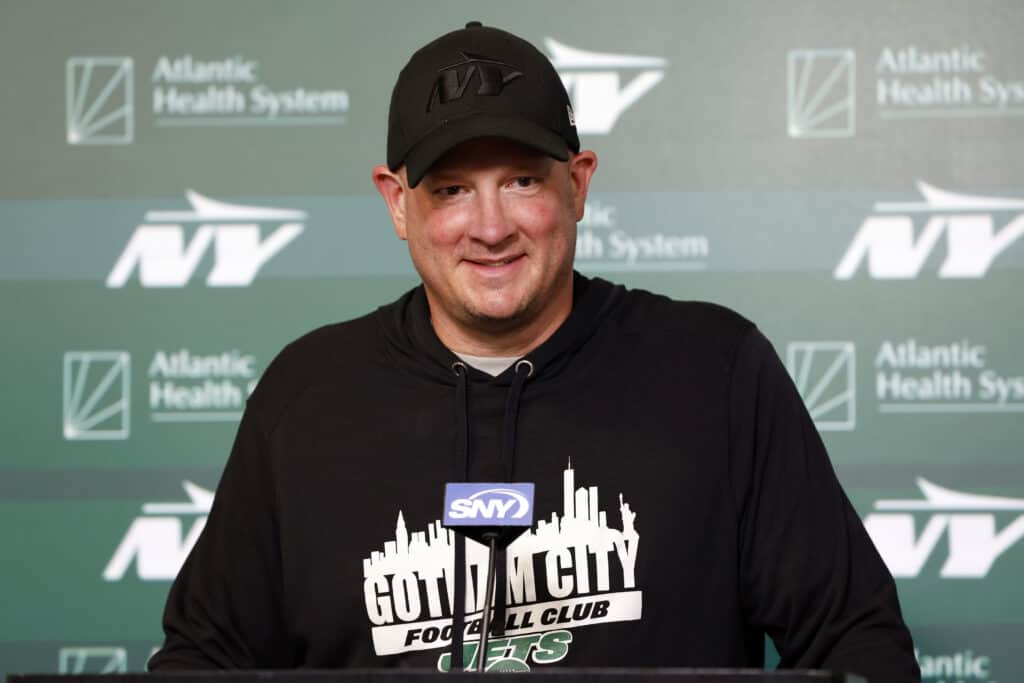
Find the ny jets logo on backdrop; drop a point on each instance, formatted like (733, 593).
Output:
(967, 519)
(888, 244)
(158, 247)
(489, 75)
(87, 659)
(594, 81)
(154, 541)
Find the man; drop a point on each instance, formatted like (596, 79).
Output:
(636, 417)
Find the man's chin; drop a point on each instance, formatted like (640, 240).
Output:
(497, 321)
(498, 318)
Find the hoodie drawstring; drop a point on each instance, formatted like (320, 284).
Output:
(461, 474)
(523, 370)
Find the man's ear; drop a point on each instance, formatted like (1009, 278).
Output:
(581, 170)
(392, 188)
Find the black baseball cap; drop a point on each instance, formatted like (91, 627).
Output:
(475, 82)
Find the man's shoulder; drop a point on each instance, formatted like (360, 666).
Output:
(325, 354)
(331, 345)
(657, 313)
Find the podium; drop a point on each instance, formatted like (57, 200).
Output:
(427, 676)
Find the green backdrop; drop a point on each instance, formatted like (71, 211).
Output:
(186, 188)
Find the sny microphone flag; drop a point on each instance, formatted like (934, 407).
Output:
(488, 504)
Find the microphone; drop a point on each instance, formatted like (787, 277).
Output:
(494, 514)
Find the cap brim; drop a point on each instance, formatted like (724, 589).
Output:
(444, 138)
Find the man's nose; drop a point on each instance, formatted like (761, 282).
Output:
(492, 223)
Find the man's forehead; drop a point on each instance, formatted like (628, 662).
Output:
(489, 152)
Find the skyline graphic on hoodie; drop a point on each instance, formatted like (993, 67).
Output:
(570, 570)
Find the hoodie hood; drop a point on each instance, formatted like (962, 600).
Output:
(415, 347)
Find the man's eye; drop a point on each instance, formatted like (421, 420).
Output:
(449, 191)
(525, 181)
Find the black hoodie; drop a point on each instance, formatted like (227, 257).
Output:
(640, 419)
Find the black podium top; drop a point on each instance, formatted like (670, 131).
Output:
(425, 676)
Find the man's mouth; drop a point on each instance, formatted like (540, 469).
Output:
(495, 263)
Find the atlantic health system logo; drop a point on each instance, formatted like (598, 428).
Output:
(158, 249)
(183, 91)
(934, 376)
(607, 241)
(97, 391)
(887, 240)
(594, 81)
(184, 386)
(825, 375)
(99, 104)
(821, 97)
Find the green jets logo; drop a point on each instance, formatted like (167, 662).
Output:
(514, 654)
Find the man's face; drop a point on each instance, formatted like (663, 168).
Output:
(492, 232)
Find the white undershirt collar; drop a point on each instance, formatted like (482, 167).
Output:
(492, 365)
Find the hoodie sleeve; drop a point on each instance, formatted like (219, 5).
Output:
(224, 608)
(810, 575)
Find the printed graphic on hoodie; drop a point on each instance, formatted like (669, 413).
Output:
(569, 571)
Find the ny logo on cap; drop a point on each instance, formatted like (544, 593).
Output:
(453, 80)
